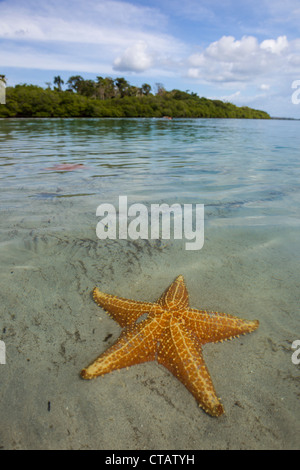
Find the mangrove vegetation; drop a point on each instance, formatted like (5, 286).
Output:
(107, 97)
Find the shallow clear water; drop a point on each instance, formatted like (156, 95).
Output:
(213, 161)
(246, 173)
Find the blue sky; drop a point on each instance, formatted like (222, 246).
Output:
(246, 51)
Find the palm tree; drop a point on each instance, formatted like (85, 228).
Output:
(59, 82)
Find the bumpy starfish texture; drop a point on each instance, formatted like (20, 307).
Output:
(173, 334)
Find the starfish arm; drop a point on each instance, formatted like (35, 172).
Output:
(136, 344)
(123, 311)
(176, 296)
(181, 354)
(211, 327)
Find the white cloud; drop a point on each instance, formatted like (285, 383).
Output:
(229, 49)
(60, 19)
(108, 22)
(231, 61)
(276, 46)
(103, 34)
(136, 58)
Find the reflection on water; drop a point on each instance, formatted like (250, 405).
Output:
(226, 163)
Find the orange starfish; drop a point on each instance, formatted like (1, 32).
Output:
(173, 334)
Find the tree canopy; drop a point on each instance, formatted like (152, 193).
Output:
(107, 97)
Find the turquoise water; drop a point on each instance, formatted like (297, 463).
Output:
(229, 162)
(247, 175)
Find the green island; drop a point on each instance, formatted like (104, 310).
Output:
(107, 97)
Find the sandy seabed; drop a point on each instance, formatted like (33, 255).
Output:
(52, 329)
